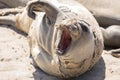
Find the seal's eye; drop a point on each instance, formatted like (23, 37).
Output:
(84, 25)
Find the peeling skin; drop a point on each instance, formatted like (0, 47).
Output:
(82, 40)
(58, 38)
(61, 27)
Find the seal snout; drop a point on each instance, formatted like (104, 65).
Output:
(68, 32)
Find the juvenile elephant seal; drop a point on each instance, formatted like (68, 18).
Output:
(65, 39)
(106, 12)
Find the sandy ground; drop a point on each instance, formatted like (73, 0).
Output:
(15, 63)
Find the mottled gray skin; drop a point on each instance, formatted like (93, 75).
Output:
(45, 37)
(13, 3)
(46, 28)
(112, 36)
(106, 12)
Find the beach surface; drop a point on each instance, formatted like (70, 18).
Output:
(16, 64)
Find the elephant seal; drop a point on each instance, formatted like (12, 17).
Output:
(13, 3)
(106, 12)
(65, 39)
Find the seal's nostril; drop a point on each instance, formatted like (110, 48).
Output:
(74, 28)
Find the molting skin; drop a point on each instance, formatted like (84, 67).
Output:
(66, 42)
(73, 39)
(65, 39)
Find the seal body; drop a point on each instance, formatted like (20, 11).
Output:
(65, 39)
(75, 52)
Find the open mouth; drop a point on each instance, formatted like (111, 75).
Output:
(65, 42)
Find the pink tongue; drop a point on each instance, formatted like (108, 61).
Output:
(65, 40)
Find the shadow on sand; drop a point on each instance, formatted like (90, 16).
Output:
(96, 73)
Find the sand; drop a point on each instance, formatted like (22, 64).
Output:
(16, 64)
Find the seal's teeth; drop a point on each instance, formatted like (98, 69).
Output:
(60, 52)
(59, 34)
